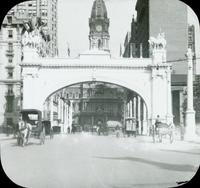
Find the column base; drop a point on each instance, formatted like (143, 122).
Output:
(190, 128)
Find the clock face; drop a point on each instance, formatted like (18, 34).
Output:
(99, 28)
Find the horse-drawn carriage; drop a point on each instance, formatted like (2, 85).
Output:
(31, 125)
(130, 126)
(163, 129)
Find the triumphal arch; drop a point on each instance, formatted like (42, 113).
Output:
(43, 77)
(150, 78)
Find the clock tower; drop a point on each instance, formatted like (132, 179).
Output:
(99, 23)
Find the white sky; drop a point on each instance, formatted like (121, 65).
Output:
(73, 24)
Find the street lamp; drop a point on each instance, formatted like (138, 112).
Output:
(190, 113)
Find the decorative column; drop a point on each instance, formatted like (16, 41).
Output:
(169, 97)
(131, 50)
(64, 117)
(128, 110)
(134, 105)
(133, 111)
(51, 111)
(124, 106)
(131, 108)
(141, 51)
(190, 113)
(138, 115)
(142, 115)
(59, 109)
(70, 113)
(158, 49)
(145, 128)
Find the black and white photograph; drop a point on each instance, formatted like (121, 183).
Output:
(100, 94)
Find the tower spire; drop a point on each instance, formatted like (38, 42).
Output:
(99, 23)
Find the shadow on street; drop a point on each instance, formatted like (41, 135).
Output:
(184, 152)
(174, 167)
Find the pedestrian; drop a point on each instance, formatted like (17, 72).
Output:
(158, 121)
(51, 133)
(29, 129)
(117, 130)
(68, 130)
(20, 128)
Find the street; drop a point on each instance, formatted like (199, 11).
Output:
(87, 161)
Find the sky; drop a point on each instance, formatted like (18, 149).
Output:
(73, 24)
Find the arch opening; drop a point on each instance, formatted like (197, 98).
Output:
(87, 104)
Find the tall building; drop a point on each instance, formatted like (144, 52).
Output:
(10, 79)
(16, 35)
(99, 25)
(171, 18)
(47, 11)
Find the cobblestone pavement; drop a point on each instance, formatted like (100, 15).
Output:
(91, 161)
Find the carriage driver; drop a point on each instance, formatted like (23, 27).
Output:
(29, 128)
(158, 121)
(21, 123)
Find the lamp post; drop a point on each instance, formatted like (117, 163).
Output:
(190, 113)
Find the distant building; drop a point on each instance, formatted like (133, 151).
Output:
(86, 104)
(99, 26)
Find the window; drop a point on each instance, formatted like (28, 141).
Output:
(10, 73)
(10, 34)
(9, 60)
(73, 96)
(9, 103)
(9, 18)
(10, 47)
(70, 95)
(10, 90)
(9, 121)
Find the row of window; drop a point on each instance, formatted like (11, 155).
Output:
(10, 47)
(9, 99)
(10, 60)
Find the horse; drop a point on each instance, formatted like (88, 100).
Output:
(22, 134)
(163, 129)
